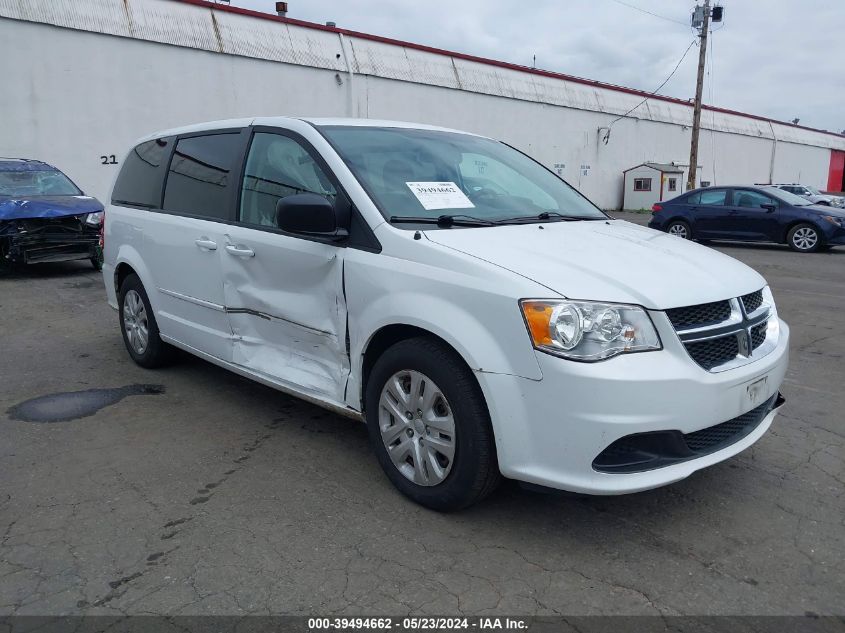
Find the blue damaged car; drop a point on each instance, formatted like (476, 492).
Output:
(45, 217)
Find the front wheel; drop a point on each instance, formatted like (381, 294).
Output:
(804, 238)
(681, 229)
(429, 425)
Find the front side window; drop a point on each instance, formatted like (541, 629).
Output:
(642, 184)
(30, 183)
(140, 179)
(277, 167)
(412, 173)
(750, 199)
(200, 175)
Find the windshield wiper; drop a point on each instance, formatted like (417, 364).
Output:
(443, 220)
(545, 216)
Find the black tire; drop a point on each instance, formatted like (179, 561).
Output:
(156, 353)
(680, 226)
(97, 263)
(804, 238)
(474, 472)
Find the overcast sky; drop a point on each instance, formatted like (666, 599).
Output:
(774, 58)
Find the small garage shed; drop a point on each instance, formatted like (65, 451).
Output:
(648, 183)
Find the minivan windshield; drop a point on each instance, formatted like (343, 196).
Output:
(36, 183)
(428, 174)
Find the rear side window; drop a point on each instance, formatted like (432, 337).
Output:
(139, 181)
(201, 174)
(714, 197)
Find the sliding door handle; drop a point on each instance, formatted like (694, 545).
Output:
(240, 250)
(206, 244)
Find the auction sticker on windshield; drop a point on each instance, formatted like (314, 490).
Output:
(440, 195)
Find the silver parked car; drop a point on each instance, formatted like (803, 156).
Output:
(813, 195)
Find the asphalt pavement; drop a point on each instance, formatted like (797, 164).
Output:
(190, 490)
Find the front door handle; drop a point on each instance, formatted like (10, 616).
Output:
(240, 250)
(206, 244)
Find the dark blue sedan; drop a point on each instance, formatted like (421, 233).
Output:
(751, 214)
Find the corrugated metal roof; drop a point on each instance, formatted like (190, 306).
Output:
(206, 26)
(665, 167)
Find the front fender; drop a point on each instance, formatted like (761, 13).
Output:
(502, 347)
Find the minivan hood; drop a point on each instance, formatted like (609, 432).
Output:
(609, 260)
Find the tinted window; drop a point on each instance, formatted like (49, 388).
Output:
(750, 199)
(714, 197)
(140, 178)
(277, 167)
(200, 175)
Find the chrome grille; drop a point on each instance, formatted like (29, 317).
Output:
(758, 335)
(715, 352)
(702, 314)
(752, 301)
(724, 334)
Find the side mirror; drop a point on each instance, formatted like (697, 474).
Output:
(770, 208)
(310, 215)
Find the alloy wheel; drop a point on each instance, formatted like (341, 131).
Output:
(805, 238)
(417, 427)
(678, 230)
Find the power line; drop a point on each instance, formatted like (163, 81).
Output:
(656, 15)
(651, 94)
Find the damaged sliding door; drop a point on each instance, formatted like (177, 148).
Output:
(284, 295)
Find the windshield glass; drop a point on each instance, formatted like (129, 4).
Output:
(813, 190)
(36, 183)
(789, 198)
(411, 173)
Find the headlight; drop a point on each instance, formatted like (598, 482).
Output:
(834, 220)
(94, 219)
(588, 331)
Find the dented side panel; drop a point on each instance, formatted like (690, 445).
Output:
(287, 309)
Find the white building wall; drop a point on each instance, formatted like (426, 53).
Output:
(87, 77)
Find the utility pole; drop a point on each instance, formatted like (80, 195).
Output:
(699, 88)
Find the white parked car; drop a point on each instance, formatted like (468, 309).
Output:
(479, 314)
(813, 195)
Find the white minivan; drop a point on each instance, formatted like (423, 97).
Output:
(481, 315)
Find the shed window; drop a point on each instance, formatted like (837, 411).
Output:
(642, 184)
(673, 184)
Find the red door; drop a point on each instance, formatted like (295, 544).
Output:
(836, 176)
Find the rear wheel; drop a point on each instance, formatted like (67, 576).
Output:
(804, 238)
(679, 228)
(139, 328)
(429, 425)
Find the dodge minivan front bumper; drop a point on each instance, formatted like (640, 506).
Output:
(563, 431)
